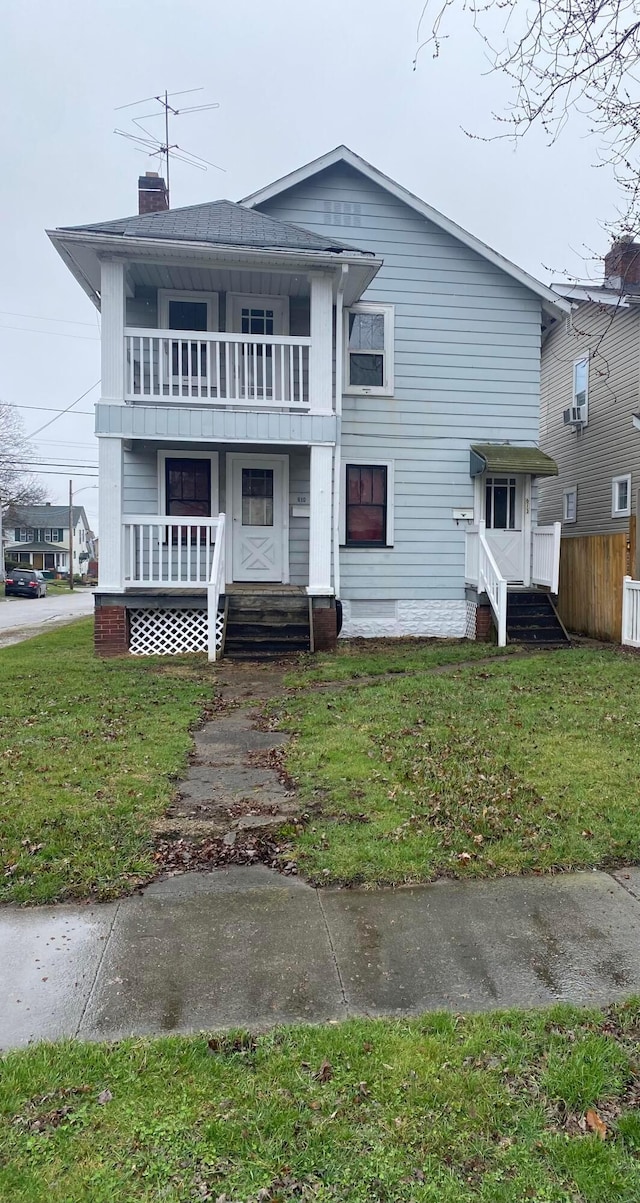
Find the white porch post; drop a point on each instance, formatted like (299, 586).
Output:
(112, 308)
(321, 350)
(110, 461)
(320, 527)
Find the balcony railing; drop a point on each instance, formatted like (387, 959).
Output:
(177, 553)
(233, 369)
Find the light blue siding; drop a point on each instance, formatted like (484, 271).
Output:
(467, 363)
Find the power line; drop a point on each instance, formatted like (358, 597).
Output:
(63, 411)
(39, 318)
(47, 409)
(84, 338)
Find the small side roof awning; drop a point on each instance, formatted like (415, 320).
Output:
(501, 458)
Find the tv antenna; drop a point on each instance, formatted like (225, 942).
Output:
(153, 145)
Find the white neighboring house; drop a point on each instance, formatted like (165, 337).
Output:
(321, 400)
(38, 537)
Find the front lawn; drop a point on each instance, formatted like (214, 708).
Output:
(496, 1108)
(512, 766)
(88, 751)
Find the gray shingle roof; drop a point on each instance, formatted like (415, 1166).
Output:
(222, 222)
(44, 515)
(36, 547)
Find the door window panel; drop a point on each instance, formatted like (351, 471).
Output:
(257, 496)
(500, 503)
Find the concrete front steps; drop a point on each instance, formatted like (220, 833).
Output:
(263, 625)
(532, 620)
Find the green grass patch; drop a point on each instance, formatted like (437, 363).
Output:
(510, 767)
(355, 658)
(495, 1108)
(88, 752)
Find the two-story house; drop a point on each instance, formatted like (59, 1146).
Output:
(38, 536)
(320, 402)
(589, 417)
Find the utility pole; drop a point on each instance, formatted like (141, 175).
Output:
(71, 534)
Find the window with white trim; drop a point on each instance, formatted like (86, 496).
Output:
(369, 349)
(570, 504)
(621, 496)
(367, 503)
(581, 386)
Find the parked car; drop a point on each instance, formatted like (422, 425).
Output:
(25, 582)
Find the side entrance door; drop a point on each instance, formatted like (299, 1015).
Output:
(507, 524)
(259, 517)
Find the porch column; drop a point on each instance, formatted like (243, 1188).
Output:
(110, 475)
(112, 308)
(321, 350)
(320, 522)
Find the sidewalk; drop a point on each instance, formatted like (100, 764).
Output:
(245, 946)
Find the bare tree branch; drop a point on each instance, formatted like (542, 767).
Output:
(17, 485)
(562, 57)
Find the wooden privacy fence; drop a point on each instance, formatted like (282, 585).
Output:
(592, 570)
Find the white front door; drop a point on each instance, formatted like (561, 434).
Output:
(505, 526)
(259, 366)
(259, 520)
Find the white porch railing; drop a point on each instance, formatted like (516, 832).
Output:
(471, 549)
(493, 584)
(174, 552)
(215, 588)
(545, 558)
(631, 612)
(234, 369)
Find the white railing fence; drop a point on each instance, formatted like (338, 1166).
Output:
(159, 550)
(493, 584)
(215, 588)
(631, 612)
(234, 368)
(471, 549)
(545, 558)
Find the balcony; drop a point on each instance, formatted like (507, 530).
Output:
(230, 369)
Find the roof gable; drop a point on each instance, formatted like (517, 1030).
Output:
(222, 222)
(342, 154)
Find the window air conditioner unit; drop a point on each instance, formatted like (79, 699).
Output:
(573, 416)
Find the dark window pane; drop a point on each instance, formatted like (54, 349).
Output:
(188, 487)
(366, 504)
(500, 507)
(366, 371)
(187, 315)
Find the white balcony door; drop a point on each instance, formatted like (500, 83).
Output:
(258, 367)
(504, 514)
(259, 520)
(185, 363)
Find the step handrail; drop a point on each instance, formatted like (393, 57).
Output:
(495, 586)
(216, 586)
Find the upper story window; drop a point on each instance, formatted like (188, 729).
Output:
(621, 496)
(369, 350)
(24, 534)
(581, 386)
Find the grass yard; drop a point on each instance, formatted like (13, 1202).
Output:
(496, 1108)
(88, 750)
(514, 766)
(356, 658)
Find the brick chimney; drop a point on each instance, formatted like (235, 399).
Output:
(152, 193)
(622, 265)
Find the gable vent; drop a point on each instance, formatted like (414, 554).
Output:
(342, 213)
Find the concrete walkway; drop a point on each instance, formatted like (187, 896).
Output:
(244, 946)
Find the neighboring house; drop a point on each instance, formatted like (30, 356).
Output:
(590, 396)
(328, 392)
(38, 535)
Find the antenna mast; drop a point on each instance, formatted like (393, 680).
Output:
(152, 145)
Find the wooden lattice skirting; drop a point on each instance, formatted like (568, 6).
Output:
(167, 632)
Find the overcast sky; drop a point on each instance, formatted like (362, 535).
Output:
(293, 80)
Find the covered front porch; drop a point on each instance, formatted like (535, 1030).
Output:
(505, 549)
(202, 522)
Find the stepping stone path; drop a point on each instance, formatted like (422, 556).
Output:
(235, 792)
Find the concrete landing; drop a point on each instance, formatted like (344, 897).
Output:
(245, 946)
